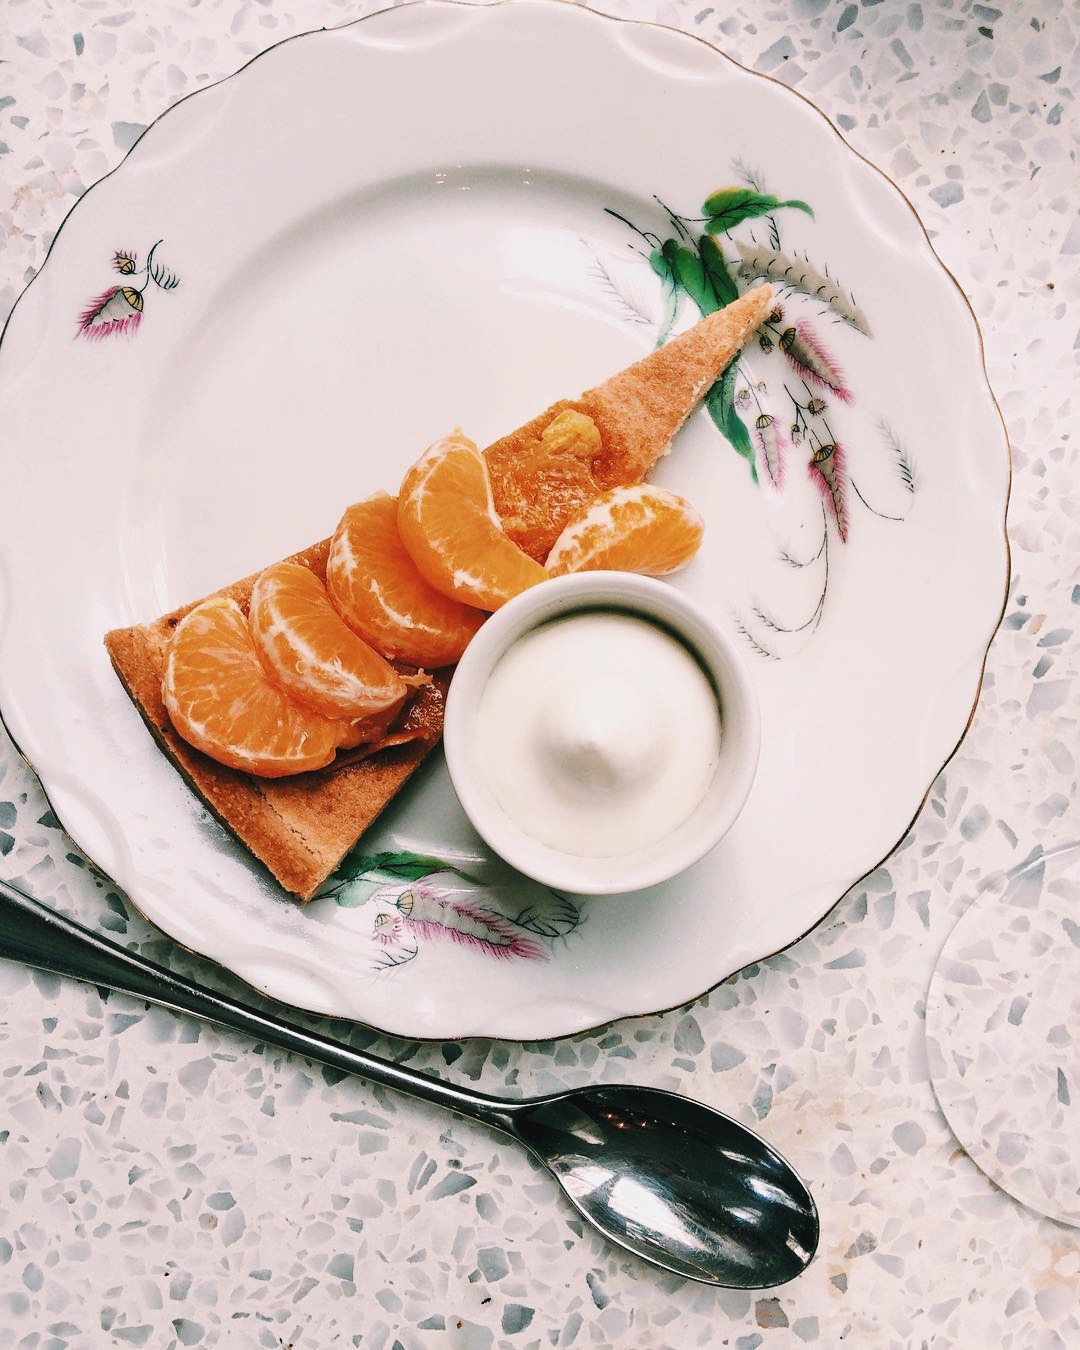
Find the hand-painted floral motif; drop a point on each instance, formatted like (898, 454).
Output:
(784, 421)
(414, 900)
(120, 309)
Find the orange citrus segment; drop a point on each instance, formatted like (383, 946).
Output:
(309, 650)
(633, 529)
(377, 590)
(447, 522)
(222, 701)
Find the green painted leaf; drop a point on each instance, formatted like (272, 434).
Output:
(730, 206)
(360, 875)
(357, 891)
(716, 269)
(395, 866)
(702, 273)
(720, 401)
(659, 264)
(689, 272)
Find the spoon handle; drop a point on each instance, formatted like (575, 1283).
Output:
(36, 935)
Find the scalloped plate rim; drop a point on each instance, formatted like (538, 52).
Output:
(975, 677)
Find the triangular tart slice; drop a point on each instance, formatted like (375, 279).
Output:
(300, 828)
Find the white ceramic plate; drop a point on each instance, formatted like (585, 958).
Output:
(442, 216)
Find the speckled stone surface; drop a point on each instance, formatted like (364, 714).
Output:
(163, 1184)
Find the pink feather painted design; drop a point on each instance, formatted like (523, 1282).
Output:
(120, 309)
(829, 473)
(426, 912)
(813, 360)
(113, 312)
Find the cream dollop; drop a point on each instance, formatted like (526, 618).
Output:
(599, 733)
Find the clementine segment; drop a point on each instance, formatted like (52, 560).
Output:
(447, 522)
(377, 590)
(309, 650)
(222, 701)
(632, 529)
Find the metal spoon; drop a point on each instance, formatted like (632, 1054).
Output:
(669, 1179)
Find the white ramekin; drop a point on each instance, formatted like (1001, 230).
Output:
(739, 746)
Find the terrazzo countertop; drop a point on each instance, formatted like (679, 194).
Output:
(165, 1184)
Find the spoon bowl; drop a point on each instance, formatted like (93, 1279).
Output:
(675, 1182)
